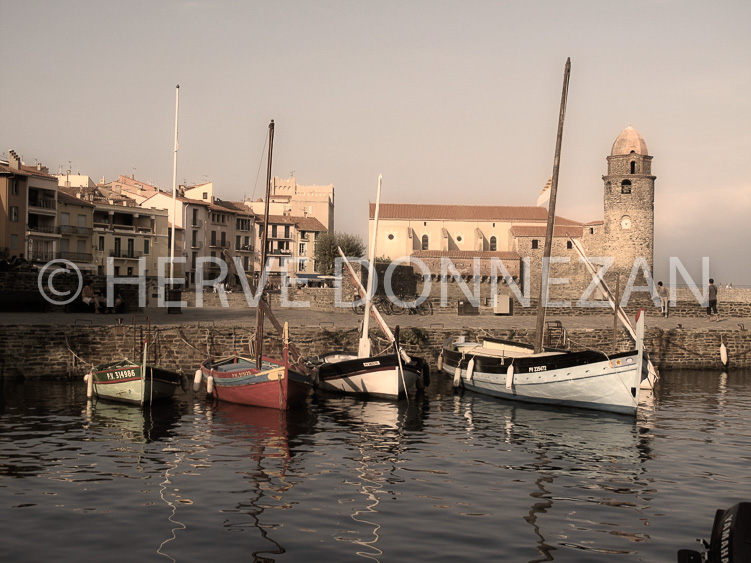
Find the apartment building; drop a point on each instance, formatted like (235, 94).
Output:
(28, 195)
(290, 245)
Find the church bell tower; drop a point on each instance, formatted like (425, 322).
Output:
(629, 203)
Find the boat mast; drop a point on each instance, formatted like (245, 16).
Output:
(174, 192)
(264, 252)
(551, 216)
(364, 349)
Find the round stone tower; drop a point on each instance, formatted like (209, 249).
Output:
(629, 202)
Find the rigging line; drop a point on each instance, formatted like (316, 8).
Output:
(260, 162)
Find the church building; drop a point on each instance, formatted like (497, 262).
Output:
(463, 233)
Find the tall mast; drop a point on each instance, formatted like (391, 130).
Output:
(264, 253)
(551, 216)
(174, 192)
(364, 350)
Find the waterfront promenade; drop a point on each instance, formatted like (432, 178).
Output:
(346, 319)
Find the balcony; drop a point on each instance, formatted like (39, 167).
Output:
(75, 256)
(127, 254)
(72, 230)
(218, 244)
(280, 252)
(196, 223)
(196, 244)
(41, 229)
(42, 203)
(244, 247)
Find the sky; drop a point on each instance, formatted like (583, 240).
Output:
(454, 102)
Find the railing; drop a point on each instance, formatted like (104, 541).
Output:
(125, 254)
(40, 229)
(219, 244)
(44, 203)
(73, 230)
(41, 255)
(123, 227)
(245, 247)
(196, 244)
(75, 256)
(196, 223)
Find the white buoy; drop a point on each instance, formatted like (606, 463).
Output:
(210, 385)
(197, 381)
(471, 369)
(458, 374)
(89, 379)
(510, 376)
(440, 361)
(723, 353)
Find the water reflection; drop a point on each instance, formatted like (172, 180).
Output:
(597, 457)
(376, 446)
(263, 435)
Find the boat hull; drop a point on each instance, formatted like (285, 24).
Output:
(237, 380)
(585, 379)
(376, 376)
(123, 382)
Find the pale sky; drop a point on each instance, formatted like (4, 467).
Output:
(453, 102)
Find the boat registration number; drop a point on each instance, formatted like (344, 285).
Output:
(538, 368)
(122, 374)
(371, 364)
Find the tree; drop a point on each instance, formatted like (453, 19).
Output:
(326, 251)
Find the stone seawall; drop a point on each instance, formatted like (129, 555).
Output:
(59, 351)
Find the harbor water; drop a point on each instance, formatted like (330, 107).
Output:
(447, 476)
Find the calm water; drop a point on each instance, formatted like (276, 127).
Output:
(447, 477)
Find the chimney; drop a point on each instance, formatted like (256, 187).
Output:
(13, 160)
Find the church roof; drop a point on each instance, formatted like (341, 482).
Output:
(629, 140)
(541, 230)
(458, 212)
(464, 254)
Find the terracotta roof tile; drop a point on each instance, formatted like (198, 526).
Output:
(64, 197)
(431, 212)
(464, 254)
(540, 230)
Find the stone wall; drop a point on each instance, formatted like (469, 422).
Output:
(57, 351)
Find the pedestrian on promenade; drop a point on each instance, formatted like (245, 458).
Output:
(712, 301)
(88, 296)
(662, 293)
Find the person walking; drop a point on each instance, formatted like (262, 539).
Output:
(662, 293)
(712, 301)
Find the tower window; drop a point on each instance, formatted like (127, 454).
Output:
(424, 242)
(493, 244)
(569, 244)
(535, 243)
(633, 167)
(626, 187)
(591, 230)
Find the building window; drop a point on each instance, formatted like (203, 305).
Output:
(424, 242)
(569, 244)
(13, 186)
(14, 242)
(591, 230)
(391, 236)
(13, 213)
(205, 195)
(101, 244)
(459, 238)
(146, 246)
(493, 244)
(535, 243)
(626, 187)
(633, 167)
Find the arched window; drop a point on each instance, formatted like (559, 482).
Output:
(626, 187)
(569, 244)
(493, 244)
(424, 242)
